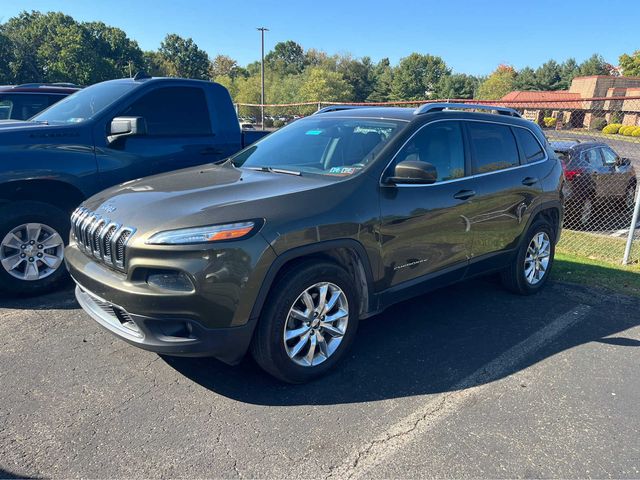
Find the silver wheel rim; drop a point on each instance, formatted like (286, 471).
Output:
(316, 324)
(31, 251)
(536, 261)
(631, 198)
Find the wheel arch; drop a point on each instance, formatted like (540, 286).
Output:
(347, 253)
(61, 194)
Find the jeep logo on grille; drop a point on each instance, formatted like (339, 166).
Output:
(107, 207)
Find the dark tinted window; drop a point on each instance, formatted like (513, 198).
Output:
(592, 157)
(494, 147)
(610, 157)
(22, 106)
(439, 144)
(529, 145)
(173, 111)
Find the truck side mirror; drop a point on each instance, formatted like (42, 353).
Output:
(126, 127)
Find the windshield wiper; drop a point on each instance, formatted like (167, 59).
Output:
(275, 170)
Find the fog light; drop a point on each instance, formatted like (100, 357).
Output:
(170, 280)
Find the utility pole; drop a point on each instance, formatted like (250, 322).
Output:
(262, 30)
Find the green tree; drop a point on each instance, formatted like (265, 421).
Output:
(119, 55)
(286, 58)
(568, 71)
(359, 75)
(417, 76)
(630, 64)
(549, 76)
(594, 65)
(154, 64)
(223, 65)
(183, 57)
(498, 84)
(324, 85)
(6, 58)
(526, 79)
(458, 85)
(382, 81)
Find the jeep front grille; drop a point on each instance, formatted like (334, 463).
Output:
(100, 238)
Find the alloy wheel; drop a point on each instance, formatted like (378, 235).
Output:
(316, 324)
(536, 260)
(31, 251)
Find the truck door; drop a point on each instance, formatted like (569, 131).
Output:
(178, 135)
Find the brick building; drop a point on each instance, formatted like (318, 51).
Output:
(571, 110)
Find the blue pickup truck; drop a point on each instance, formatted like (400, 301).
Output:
(106, 134)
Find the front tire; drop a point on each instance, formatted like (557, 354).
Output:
(32, 240)
(308, 324)
(532, 266)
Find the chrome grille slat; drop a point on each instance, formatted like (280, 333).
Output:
(100, 238)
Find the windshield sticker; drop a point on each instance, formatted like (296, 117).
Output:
(343, 171)
(313, 132)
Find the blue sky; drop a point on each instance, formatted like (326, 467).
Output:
(472, 36)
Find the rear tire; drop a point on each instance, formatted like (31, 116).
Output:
(530, 270)
(32, 240)
(298, 348)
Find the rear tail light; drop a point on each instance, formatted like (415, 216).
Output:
(572, 173)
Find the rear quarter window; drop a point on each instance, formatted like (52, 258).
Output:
(530, 147)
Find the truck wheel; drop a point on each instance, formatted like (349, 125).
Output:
(32, 240)
(308, 323)
(530, 270)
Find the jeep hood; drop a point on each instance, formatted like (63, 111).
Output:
(200, 196)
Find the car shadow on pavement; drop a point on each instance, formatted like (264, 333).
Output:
(428, 345)
(6, 474)
(60, 299)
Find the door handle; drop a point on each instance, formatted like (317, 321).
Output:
(210, 151)
(528, 181)
(465, 194)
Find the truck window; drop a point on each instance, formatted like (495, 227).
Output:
(173, 111)
(493, 145)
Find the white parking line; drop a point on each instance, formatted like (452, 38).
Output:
(376, 452)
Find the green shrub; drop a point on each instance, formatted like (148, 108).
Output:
(636, 132)
(277, 123)
(549, 122)
(598, 124)
(615, 117)
(612, 128)
(268, 122)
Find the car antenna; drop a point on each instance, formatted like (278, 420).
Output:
(141, 76)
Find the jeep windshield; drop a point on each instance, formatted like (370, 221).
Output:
(84, 104)
(334, 146)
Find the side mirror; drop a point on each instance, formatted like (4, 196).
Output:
(414, 172)
(126, 127)
(623, 162)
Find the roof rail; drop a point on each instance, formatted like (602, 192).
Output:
(337, 108)
(439, 107)
(56, 84)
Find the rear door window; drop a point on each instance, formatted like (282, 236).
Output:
(493, 147)
(593, 157)
(173, 111)
(530, 147)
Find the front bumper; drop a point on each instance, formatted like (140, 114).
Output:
(180, 337)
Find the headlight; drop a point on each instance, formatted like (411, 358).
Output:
(212, 233)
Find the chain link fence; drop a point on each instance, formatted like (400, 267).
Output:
(598, 142)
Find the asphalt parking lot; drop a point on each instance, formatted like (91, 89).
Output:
(469, 381)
